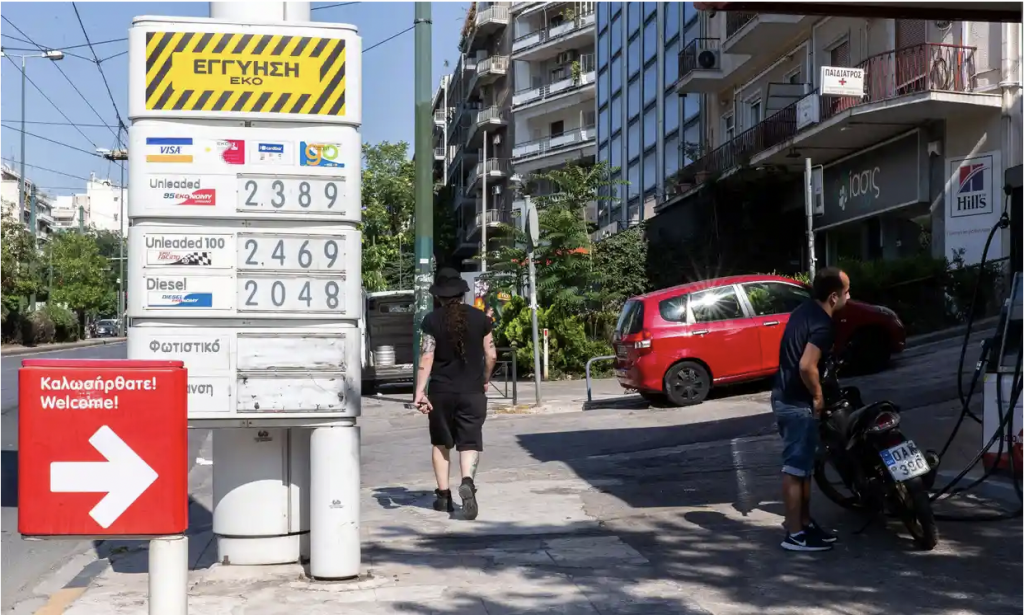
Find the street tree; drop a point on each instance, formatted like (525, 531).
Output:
(20, 259)
(80, 273)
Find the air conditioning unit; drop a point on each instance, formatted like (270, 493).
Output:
(709, 59)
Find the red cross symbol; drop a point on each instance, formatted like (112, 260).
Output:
(842, 82)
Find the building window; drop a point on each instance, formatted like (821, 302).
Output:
(650, 127)
(689, 13)
(634, 56)
(616, 8)
(728, 127)
(671, 11)
(634, 179)
(691, 107)
(616, 112)
(650, 172)
(602, 50)
(633, 142)
(691, 137)
(650, 84)
(692, 29)
(633, 109)
(615, 159)
(671, 111)
(672, 63)
(602, 123)
(602, 15)
(616, 28)
(671, 154)
(649, 9)
(650, 41)
(754, 112)
(617, 73)
(633, 12)
(602, 89)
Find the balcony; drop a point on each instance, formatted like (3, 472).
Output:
(497, 169)
(494, 218)
(903, 88)
(487, 22)
(461, 117)
(489, 119)
(488, 70)
(759, 33)
(544, 44)
(440, 117)
(553, 144)
(567, 84)
(438, 153)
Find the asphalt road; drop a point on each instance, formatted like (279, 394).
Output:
(25, 562)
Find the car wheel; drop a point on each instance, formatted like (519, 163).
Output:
(687, 383)
(871, 351)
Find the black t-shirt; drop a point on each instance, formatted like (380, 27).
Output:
(452, 373)
(809, 323)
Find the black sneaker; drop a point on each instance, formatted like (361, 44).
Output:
(827, 536)
(467, 491)
(443, 501)
(805, 541)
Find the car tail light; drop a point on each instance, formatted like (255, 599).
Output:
(885, 421)
(639, 341)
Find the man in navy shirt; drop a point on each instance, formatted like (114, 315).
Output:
(797, 401)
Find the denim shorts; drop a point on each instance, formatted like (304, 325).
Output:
(799, 430)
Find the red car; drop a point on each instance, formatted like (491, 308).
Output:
(679, 342)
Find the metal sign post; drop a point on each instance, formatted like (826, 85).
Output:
(245, 260)
(809, 216)
(533, 236)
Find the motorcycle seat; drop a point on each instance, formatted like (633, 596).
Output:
(849, 423)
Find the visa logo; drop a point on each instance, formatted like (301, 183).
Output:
(170, 149)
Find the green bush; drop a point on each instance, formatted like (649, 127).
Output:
(569, 349)
(65, 324)
(37, 328)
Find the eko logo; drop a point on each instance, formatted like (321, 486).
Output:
(320, 155)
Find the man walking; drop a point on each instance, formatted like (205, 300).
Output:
(457, 357)
(797, 401)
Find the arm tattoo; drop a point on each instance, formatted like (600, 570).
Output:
(427, 343)
(490, 343)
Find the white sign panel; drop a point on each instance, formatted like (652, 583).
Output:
(181, 293)
(841, 81)
(193, 250)
(239, 372)
(973, 205)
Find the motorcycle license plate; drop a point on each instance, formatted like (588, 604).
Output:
(905, 461)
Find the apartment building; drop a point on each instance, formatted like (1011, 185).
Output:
(476, 105)
(11, 197)
(641, 119)
(553, 107)
(99, 207)
(914, 166)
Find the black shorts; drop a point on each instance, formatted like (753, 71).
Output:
(457, 420)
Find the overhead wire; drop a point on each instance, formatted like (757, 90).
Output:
(55, 142)
(388, 39)
(331, 6)
(49, 100)
(66, 78)
(39, 168)
(99, 66)
(65, 48)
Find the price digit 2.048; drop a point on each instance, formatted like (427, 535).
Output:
(291, 195)
(291, 295)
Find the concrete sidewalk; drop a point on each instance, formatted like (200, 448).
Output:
(679, 530)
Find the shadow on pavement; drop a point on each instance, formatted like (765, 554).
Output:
(131, 556)
(9, 479)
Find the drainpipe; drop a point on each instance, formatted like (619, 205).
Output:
(1010, 85)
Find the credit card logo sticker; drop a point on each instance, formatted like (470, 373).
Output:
(169, 149)
(231, 151)
(271, 153)
(320, 155)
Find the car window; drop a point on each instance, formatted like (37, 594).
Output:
(673, 309)
(769, 298)
(715, 304)
(631, 320)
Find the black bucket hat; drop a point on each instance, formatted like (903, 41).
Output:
(448, 283)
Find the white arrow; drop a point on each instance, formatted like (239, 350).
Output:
(124, 476)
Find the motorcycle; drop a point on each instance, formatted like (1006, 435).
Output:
(883, 470)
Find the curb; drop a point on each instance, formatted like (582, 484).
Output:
(23, 350)
(993, 488)
(983, 324)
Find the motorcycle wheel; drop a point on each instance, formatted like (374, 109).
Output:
(916, 513)
(848, 502)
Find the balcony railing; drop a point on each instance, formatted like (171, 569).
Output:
(493, 216)
(735, 20)
(553, 143)
(494, 13)
(539, 37)
(559, 86)
(492, 64)
(502, 166)
(439, 117)
(438, 153)
(688, 57)
(930, 67)
(489, 114)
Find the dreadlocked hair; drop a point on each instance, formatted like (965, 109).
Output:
(455, 323)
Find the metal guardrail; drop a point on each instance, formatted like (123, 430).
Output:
(509, 369)
(590, 396)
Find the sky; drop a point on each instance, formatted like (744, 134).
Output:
(387, 77)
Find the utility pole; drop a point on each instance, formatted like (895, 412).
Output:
(532, 237)
(424, 155)
(483, 213)
(119, 155)
(35, 239)
(809, 215)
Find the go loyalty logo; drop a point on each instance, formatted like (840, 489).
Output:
(320, 155)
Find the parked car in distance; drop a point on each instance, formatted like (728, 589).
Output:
(679, 342)
(106, 328)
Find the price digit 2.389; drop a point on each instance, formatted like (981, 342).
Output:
(307, 195)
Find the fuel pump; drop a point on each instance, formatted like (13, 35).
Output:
(997, 392)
